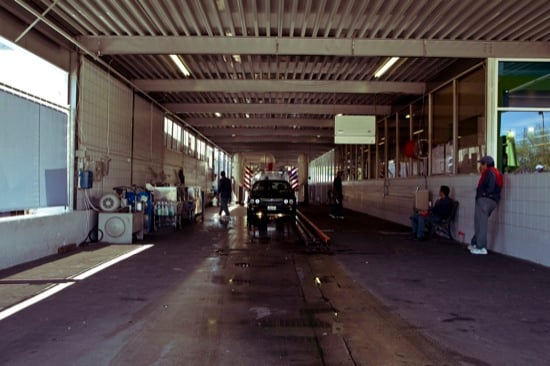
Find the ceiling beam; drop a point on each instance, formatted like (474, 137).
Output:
(120, 45)
(290, 151)
(270, 139)
(259, 122)
(279, 86)
(288, 108)
(268, 132)
(279, 149)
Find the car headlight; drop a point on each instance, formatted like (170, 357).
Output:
(285, 201)
(257, 201)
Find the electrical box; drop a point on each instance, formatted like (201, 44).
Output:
(85, 179)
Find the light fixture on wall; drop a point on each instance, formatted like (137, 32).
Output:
(179, 63)
(385, 66)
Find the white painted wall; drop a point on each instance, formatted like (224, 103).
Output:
(519, 227)
(27, 238)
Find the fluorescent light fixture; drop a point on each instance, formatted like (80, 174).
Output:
(179, 63)
(418, 132)
(220, 4)
(217, 114)
(385, 67)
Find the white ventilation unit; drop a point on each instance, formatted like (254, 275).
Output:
(354, 129)
(119, 227)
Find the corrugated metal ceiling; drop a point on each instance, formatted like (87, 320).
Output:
(285, 67)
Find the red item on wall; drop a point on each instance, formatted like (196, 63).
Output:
(410, 149)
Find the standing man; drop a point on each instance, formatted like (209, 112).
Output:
(338, 197)
(487, 197)
(224, 193)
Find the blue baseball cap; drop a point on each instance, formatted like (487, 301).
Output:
(487, 160)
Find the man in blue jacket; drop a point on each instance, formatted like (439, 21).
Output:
(487, 197)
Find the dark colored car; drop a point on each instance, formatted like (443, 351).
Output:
(270, 200)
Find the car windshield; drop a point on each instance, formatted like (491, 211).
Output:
(271, 186)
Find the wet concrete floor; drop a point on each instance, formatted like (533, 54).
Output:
(214, 293)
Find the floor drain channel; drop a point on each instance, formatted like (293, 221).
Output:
(320, 310)
(294, 323)
(240, 281)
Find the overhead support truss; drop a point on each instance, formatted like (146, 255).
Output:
(281, 86)
(264, 108)
(120, 45)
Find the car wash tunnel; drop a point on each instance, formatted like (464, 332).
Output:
(237, 182)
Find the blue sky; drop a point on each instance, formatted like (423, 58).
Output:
(519, 121)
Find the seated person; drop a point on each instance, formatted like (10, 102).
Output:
(434, 215)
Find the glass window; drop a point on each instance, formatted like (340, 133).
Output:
(525, 141)
(173, 135)
(177, 136)
(340, 158)
(442, 155)
(34, 169)
(471, 121)
(351, 162)
(380, 149)
(392, 145)
(201, 146)
(210, 156)
(191, 144)
(403, 130)
(523, 95)
(419, 136)
(24, 71)
(523, 84)
(366, 163)
(167, 132)
(360, 163)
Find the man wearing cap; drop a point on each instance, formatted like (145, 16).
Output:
(487, 197)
